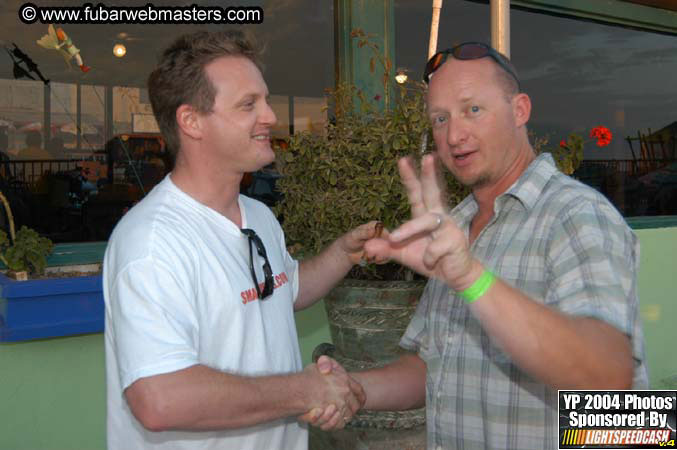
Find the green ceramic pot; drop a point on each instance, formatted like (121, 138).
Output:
(367, 320)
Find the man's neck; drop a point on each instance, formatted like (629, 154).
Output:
(486, 195)
(210, 185)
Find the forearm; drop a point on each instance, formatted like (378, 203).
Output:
(560, 350)
(395, 387)
(319, 274)
(200, 398)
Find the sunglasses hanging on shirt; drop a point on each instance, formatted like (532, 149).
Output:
(255, 241)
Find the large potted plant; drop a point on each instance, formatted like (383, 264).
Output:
(347, 176)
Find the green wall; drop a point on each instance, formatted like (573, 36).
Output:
(52, 392)
(658, 303)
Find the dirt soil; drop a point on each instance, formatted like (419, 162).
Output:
(65, 274)
(69, 274)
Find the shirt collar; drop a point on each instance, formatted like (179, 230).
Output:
(527, 189)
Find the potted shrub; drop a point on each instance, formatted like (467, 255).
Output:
(48, 307)
(25, 253)
(347, 176)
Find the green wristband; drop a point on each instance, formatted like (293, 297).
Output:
(479, 287)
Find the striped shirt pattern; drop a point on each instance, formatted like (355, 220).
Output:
(563, 244)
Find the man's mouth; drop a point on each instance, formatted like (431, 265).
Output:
(261, 137)
(461, 156)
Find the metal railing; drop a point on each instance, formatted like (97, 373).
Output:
(630, 167)
(29, 172)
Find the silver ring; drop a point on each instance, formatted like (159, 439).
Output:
(439, 221)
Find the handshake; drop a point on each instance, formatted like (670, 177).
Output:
(334, 395)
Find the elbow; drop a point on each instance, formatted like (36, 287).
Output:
(611, 363)
(622, 378)
(151, 420)
(148, 409)
(621, 373)
(597, 381)
(617, 376)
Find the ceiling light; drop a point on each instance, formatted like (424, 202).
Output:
(119, 50)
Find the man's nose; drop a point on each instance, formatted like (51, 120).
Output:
(456, 132)
(268, 116)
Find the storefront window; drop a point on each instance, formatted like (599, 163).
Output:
(92, 105)
(63, 117)
(581, 75)
(21, 114)
(310, 114)
(280, 105)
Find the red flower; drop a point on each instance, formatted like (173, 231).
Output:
(563, 143)
(603, 135)
(377, 97)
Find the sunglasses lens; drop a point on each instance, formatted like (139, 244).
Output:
(268, 287)
(259, 247)
(470, 51)
(433, 64)
(436, 61)
(267, 271)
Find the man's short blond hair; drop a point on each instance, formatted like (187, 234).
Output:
(180, 77)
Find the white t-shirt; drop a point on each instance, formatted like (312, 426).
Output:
(179, 292)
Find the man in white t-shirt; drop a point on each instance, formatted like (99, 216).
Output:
(200, 292)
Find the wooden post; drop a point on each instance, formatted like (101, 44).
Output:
(434, 27)
(500, 26)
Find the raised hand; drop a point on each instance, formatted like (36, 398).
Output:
(331, 416)
(430, 243)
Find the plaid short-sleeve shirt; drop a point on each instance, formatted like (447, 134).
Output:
(561, 243)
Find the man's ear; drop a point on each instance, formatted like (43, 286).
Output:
(521, 108)
(188, 121)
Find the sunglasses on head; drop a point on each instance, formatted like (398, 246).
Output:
(255, 241)
(467, 51)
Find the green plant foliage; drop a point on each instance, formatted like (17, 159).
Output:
(29, 252)
(569, 154)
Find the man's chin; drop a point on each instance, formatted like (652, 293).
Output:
(265, 159)
(472, 181)
(478, 183)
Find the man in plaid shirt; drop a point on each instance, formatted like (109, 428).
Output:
(533, 277)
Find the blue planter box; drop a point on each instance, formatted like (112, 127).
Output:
(37, 309)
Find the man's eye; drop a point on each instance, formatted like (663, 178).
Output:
(439, 120)
(474, 109)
